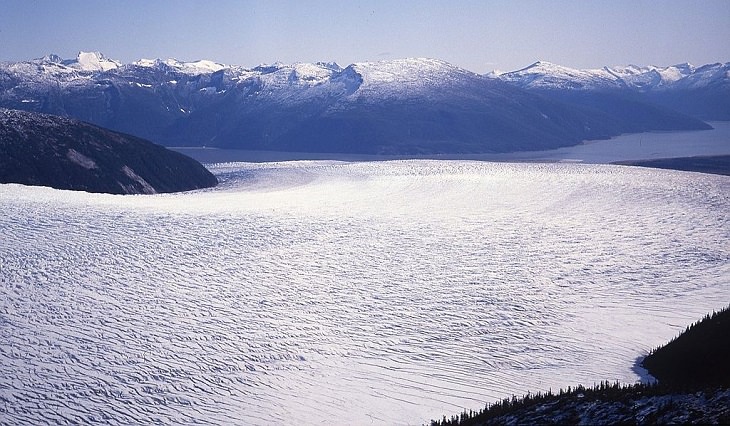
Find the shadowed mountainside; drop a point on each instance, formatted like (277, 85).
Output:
(45, 150)
(702, 92)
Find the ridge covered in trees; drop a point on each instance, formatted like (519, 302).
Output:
(697, 358)
(693, 387)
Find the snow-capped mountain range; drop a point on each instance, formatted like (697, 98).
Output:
(401, 106)
(702, 92)
(546, 75)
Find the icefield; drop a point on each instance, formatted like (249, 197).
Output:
(314, 292)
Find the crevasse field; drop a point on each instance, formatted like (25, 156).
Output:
(352, 293)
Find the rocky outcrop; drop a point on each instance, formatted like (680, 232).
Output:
(63, 153)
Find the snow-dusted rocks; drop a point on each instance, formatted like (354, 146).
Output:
(702, 92)
(63, 153)
(190, 68)
(549, 76)
(546, 75)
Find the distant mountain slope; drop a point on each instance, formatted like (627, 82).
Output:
(718, 164)
(403, 106)
(702, 92)
(395, 107)
(46, 150)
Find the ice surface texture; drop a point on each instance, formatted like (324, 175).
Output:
(389, 292)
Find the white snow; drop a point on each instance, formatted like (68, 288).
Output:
(81, 159)
(360, 293)
(92, 61)
(401, 78)
(547, 75)
(191, 68)
(298, 83)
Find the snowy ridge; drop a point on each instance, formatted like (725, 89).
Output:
(707, 75)
(543, 74)
(54, 65)
(191, 68)
(291, 83)
(404, 77)
(283, 82)
(392, 78)
(546, 75)
(408, 74)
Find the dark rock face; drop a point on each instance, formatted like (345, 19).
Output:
(45, 150)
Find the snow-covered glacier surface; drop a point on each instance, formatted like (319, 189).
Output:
(348, 293)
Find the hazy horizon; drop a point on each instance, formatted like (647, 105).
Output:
(478, 36)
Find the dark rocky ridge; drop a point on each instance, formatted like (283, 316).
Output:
(63, 153)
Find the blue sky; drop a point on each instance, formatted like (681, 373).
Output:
(478, 35)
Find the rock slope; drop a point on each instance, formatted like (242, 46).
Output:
(63, 153)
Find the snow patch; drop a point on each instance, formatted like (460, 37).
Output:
(92, 61)
(190, 68)
(81, 159)
(146, 187)
(547, 75)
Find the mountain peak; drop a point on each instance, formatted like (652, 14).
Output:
(399, 78)
(201, 66)
(408, 68)
(53, 58)
(541, 65)
(546, 75)
(92, 61)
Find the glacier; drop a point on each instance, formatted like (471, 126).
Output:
(354, 293)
